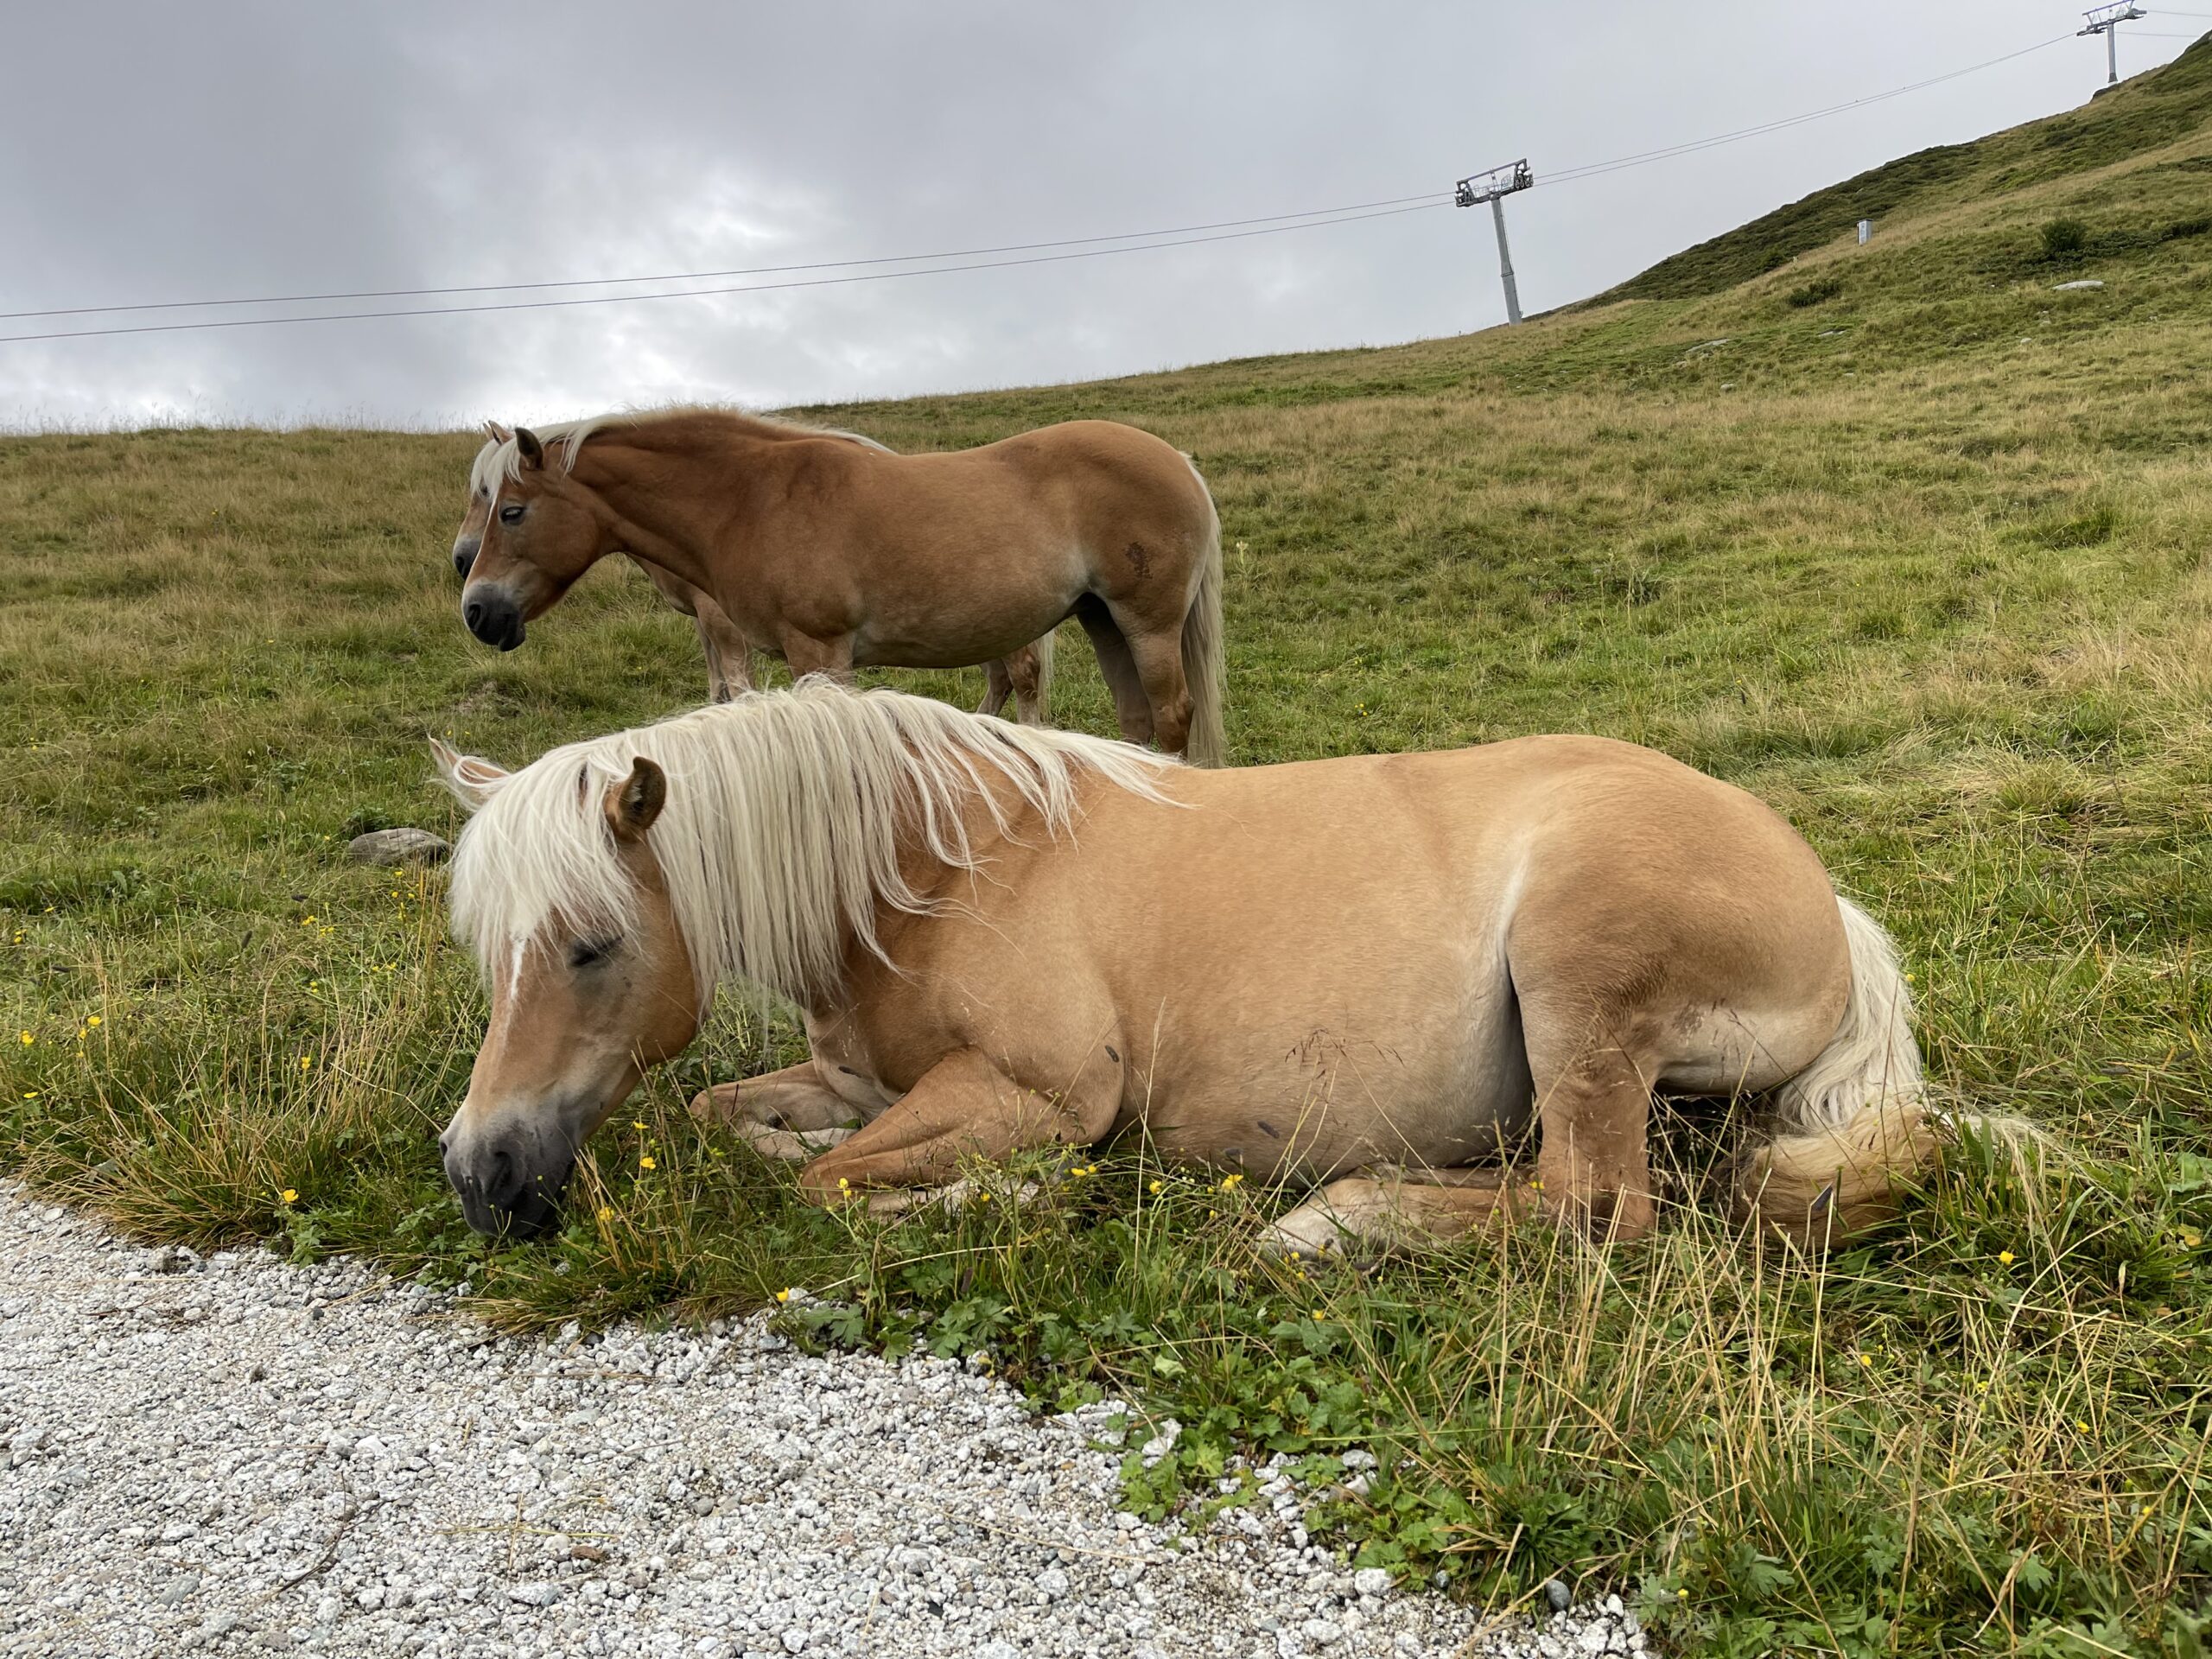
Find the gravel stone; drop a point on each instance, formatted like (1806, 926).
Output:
(393, 1478)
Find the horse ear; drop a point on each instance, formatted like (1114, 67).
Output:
(527, 444)
(473, 780)
(497, 433)
(632, 804)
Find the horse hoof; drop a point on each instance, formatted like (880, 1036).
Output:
(789, 1146)
(1309, 1232)
(715, 1105)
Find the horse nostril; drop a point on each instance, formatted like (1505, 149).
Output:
(473, 614)
(504, 1183)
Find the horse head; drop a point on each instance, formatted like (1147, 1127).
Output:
(530, 531)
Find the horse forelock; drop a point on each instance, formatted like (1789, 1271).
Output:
(500, 459)
(787, 813)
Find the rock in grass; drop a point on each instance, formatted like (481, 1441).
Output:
(2076, 287)
(398, 847)
(1558, 1595)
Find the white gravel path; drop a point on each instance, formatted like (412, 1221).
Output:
(236, 1456)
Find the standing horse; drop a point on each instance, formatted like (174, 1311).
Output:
(1364, 971)
(1025, 675)
(836, 553)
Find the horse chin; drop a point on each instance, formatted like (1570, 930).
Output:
(536, 1216)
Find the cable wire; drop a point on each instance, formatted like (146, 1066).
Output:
(705, 276)
(1441, 200)
(1571, 175)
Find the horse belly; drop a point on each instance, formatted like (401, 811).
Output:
(1441, 1087)
(972, 615)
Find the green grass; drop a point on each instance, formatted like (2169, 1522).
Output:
(1935, 584)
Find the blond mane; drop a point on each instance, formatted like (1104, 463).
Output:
(787, 815)
(500, 459)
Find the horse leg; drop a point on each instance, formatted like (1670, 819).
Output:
(790, 1115)
(1027, 668)
(729, 655)
(964, 1107)
(1131, 707)
(998, 686)
(1593, 1103)
(1362, 1217)
(1159, 659)
(807, 655)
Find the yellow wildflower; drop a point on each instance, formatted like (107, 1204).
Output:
(605, 1213)
(92, 1019)
(305, 1065)
(635, 1124)
(29, 1040)
(1158, 1185)
(1318, 1314)
(783, 1295)
(2082, 1423)
(290, 1195)
(646, 1163)
(2005, 1257)
(30, 1094)
(844, 1186)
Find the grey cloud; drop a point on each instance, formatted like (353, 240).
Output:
(155, 152)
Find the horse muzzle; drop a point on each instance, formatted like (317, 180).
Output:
(493, 617)
(509, 1188)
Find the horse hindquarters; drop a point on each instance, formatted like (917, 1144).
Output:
(1700, 952)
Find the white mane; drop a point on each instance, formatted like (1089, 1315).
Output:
(785, 816)
(501, 459)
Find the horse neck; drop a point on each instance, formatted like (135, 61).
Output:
(673, 496)
(945, 889)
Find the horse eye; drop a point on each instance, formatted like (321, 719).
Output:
(585, 952)
(511, 515)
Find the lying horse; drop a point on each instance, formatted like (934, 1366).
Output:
(834, 553)
(1364, 971)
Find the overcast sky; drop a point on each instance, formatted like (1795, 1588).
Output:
(165, 152)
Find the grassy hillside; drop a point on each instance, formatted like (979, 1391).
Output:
(2146, 113)
(1920, 559)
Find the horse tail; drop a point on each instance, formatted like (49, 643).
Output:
(1207, 744)
(1855, 1123)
